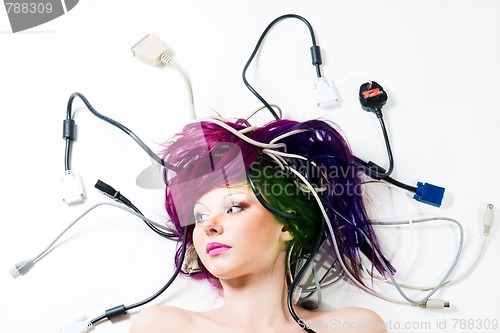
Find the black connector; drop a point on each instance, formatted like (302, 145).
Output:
(372, 97)
(111, 192)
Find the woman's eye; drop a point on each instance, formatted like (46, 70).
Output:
(200, 217)
(234, 208)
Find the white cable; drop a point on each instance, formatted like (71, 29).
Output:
(152, 50)
(242, 136)
(248, 129)
(166, 59)
(287, 134)
(421, 220)
(477, 257)
(277, 159)
(23, 267)
(282, 154)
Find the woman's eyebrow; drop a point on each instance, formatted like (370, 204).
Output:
(225, 197)
(229, 195)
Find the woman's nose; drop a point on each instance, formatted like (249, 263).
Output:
(213, 226)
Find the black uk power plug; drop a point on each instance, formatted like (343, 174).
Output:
(372, 96)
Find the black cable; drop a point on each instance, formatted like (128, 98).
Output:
(315, 54)
(122, 309)
(165, 234)
(265, 204)
(400, 185)
(69, 131)
(298, 277)
(371, 169)
(116, 195)
(387, 145)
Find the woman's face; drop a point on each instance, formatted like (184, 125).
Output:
(235, 235)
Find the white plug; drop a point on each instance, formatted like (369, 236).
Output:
(151, 50)
(80, 325)
(296, 294)
(433, 303)
(489, 216)
(326, 93)
(72, 188)
(21, 268)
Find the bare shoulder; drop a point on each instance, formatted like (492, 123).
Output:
(160, 319)
(347, 320)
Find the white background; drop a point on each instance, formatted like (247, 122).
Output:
(437, 60)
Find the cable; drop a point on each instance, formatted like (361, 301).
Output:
(116, 195)
(298, 277)
(122, 309)
(372, 98)
(421, 302)
(23, 267)
(488, 220)
(241, 135)
(152, 50)
(263, 107)
(167, 60)
(315, 54)
(69, 139)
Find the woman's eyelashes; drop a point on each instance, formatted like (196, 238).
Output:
(235, 208)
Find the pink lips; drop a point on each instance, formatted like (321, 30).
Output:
(214, 249)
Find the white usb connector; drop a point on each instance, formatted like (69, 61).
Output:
(152, 50)
(326, 93)
(72, 188)
(80, 325)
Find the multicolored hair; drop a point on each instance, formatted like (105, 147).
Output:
(210, 154)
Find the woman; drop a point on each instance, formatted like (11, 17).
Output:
(257, 202)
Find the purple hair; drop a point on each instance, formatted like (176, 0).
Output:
(202, 148)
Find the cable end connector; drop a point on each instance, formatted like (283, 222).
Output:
(80, 325)
(435, 304)
(152, 50)
(296, 294)
(111, 192)
(72, 188)
(21, 268)
(489, 217)
(372, 97)
(326, 93)
(429, 194)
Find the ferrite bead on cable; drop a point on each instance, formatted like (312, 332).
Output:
(316, 55)
(69, 129)
(116, 311)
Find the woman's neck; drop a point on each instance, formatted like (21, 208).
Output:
(256, 301)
